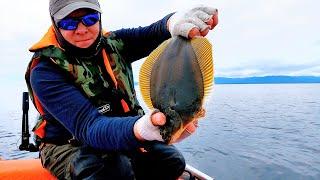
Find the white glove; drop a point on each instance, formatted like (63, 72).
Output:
(144, 128)
(181, 23)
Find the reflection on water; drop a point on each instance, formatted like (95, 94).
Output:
(249, 132)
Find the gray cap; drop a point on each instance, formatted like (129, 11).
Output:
(62, 8)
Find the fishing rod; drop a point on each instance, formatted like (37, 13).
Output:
(25, 135)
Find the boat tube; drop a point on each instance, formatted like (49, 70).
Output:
(31, 169)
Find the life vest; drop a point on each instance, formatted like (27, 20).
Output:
(108, 85)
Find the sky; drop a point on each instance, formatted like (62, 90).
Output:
(253, 38)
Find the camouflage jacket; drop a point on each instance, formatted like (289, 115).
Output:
(107, 81)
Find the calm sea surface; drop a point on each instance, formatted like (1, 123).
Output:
(263, 132)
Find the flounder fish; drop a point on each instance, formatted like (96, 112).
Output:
(175, 78)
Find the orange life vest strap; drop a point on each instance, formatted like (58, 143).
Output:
(110, 72)
(34, 63)
(125, 106)
(40, 131)
(108, 67)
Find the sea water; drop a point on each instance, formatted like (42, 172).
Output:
(267, 131)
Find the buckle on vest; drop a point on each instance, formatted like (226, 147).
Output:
(104, 108)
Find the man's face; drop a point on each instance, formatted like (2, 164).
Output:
(83, 36)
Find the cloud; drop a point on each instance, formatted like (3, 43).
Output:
(28, 19)
(248, 70)
(314, 71)
(250, 34)
(253, 32)
(317, 43)
(253, 38)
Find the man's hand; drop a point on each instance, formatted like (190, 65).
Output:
(190, 129)
(147, 127)
(192, 126)
(195, 22)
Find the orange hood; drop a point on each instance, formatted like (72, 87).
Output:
(48, 39)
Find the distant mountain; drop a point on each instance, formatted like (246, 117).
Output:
(265, 80)
(268, 80)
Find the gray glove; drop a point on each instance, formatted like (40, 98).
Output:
(144, 129)
(181, 23)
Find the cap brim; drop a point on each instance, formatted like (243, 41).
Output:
(62, 13)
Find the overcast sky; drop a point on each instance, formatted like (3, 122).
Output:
(253, 38)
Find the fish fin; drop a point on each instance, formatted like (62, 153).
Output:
(203, 50)
(145, 73)
(176, 135)
(179, 132)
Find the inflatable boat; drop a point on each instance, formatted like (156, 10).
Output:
(31, 169)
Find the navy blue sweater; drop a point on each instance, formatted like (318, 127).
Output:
(71, 114)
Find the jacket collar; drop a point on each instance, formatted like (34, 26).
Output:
(49, 39)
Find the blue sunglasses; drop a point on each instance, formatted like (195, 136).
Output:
(72, 23)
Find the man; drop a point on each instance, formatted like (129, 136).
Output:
(80, 80)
